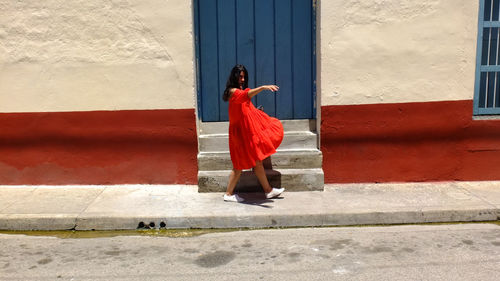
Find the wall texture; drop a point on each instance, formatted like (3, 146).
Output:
(408, 142)
(99, 147)
(85, 55)
(392, 51)
(97, 92)
(102, 92)
(397, 83)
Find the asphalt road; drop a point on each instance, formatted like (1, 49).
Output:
(424, 252)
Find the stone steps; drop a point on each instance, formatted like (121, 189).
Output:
(291, 140)
(290, 179)
(297, 164)
(282, 159)
(305, 125)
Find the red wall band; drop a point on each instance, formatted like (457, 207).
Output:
(408, 142)
(102, 147)
(405, 142)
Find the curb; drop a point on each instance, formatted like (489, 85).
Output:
(120, 222)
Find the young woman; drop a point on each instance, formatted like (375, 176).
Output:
(253, 135)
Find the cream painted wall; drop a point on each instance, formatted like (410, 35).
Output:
(80, 55)
(392, 51)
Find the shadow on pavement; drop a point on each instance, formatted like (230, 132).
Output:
(257, 199)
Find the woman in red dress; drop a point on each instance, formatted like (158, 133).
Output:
(253, 135)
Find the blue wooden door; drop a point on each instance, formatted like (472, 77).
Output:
(274, 39)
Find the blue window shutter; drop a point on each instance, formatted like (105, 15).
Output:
(487, 85)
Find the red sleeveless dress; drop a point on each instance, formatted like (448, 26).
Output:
(253, 135)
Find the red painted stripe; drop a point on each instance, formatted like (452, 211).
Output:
(101, 147)
(433, 141)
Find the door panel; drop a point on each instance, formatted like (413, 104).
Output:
(274, 39)
(264, 53)
(227, 48)
(302, 63)
(283, 35)
(208, 52)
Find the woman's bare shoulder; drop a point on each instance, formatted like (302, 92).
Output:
(231, 92)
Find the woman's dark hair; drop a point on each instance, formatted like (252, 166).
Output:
(233, 80)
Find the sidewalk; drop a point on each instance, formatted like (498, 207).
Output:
(181, 206)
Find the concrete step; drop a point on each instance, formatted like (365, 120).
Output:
(290, 179)
(291, 140)
(210, 128)
(282, 159)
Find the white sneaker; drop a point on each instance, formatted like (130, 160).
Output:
(274, 193)
(233, 198)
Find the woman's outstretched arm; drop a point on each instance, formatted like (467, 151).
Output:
(254, 92)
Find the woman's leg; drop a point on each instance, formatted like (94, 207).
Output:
(261, 175)
(233, 180)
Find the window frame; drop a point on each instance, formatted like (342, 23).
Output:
(478, 111)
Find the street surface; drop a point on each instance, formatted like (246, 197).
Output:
(423, 252)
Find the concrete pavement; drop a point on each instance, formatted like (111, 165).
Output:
(409, 252)
(180, 206)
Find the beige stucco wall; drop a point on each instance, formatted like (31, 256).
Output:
(79, 55)
(392, 51)
(59, 55)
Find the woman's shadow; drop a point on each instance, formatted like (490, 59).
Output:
(250, 188)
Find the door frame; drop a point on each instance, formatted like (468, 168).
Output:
(316, 64)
